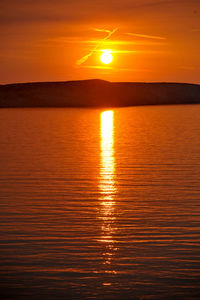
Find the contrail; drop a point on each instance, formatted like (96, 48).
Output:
(84, 58)
(101, 30)
(146, 36)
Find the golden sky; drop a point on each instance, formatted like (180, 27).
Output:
(58, 40)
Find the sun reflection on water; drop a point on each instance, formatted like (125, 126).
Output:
(107, 187)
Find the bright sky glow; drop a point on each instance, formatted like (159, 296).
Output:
(59, 40)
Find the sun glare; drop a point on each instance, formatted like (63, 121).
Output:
(106, 57)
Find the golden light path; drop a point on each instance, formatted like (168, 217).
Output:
(107, 187)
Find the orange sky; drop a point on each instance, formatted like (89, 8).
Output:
(52, 40)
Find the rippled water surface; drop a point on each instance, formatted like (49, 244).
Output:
(100, 204)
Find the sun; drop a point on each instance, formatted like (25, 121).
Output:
(106, 57)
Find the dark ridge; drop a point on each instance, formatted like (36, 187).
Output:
(97, 93)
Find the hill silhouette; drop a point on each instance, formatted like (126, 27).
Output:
(97, 93)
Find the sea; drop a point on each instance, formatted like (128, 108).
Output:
(100, 203)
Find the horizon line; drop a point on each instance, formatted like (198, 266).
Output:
(96, 79)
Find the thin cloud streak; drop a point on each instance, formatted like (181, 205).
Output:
(118, 51)
(196, 30)
(120, 42)
(116, 69)
(98, 67)
(84, 58)
(101, 30)
(132, 51)
(146, 36)
(77, 40)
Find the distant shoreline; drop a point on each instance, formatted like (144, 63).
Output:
(97, 93)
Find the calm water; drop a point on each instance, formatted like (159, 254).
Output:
(100, 205)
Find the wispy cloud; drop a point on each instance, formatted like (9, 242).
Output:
(104, 43)
(146, 36)
(196, 30)
(102, 30)
(124, 42)
(84, 58)
(98, 67)
(132, 70)
(132, 51)
(120, 51)
(116, 69)
(189, 68)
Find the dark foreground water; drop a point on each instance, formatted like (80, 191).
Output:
(100, 205)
